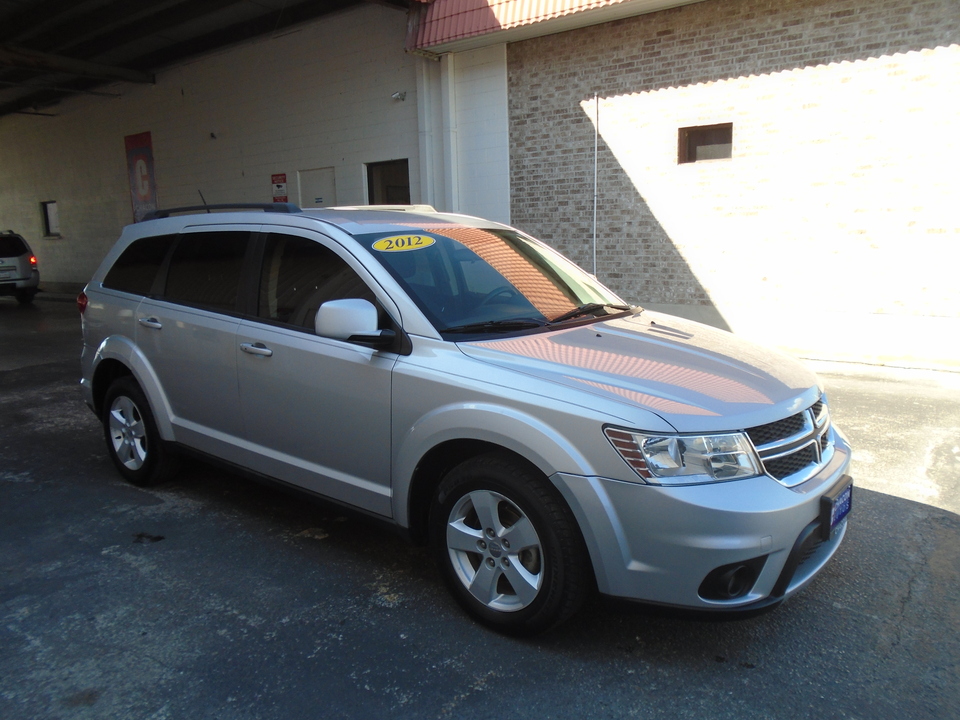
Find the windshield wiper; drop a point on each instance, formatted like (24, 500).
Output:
(586, 310)
(494, 326)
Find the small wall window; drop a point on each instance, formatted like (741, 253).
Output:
(705, 142)
(388, 183)
(51, 218)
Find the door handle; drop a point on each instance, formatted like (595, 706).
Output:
(150, 322)
(256, 349)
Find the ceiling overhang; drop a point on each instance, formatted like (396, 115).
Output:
(51, 49)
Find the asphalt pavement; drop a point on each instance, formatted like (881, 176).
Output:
(218, 597)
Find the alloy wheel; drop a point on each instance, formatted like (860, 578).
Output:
(495, 551)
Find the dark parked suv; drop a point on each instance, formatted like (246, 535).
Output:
(18, 268)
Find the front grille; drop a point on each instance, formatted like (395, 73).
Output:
(790, 464)
(793, 449)
(771, 432)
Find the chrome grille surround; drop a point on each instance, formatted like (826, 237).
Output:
(794, 449)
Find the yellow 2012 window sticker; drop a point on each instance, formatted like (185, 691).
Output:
(402, 243)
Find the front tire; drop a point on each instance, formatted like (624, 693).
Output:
(508, 546)
(133, 442)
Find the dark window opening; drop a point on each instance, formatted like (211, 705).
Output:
(51, 218)
(705, 142)
(388, 183)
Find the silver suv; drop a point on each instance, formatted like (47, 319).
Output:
(18, 268)
(469, 384)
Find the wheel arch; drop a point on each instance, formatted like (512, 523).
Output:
(448, 436)
(108, 370)
(430, 472)
(117, 357)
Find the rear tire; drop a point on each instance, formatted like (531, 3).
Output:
(25, 297)
(131, 434)
(508, 546)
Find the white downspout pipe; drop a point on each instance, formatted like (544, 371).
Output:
(451, 159)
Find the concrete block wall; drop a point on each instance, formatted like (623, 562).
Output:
(316, 96)
(482, 133)
(464, 138)
(831, 231)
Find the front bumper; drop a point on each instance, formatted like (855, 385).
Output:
(658, 544)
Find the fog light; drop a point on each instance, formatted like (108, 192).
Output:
(729, 582)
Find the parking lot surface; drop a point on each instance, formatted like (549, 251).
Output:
(218, 597)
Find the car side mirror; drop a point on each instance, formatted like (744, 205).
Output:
(353, 320)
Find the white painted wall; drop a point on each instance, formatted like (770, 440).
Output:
(483, 133)
(315, 97)
(464, 134)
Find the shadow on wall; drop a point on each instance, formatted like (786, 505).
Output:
(635, 253)
(553, 199)
(826, 170)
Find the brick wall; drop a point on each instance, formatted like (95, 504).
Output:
(838, 195)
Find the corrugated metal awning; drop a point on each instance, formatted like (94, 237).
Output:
(450, 25)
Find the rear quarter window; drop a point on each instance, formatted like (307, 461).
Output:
(135, 271)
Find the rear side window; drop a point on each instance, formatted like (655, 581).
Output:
(298, 275)
(205, 269)
(136, 269)
(11, 246)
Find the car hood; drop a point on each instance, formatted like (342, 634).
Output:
(697, 378)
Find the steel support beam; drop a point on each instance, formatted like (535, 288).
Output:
(12, 56)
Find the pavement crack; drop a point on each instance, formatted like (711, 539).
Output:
(918, 570)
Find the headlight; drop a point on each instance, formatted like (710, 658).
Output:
(686, 459)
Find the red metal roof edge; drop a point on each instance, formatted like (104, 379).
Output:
(436, 23)
(452, 25)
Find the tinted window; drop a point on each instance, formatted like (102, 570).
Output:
(205, 269)
(11, 246)
(299, 275)
(136, 268)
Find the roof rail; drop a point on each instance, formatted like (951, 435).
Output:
(266, 207)
(402, 208)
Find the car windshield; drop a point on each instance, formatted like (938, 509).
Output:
(472, 280)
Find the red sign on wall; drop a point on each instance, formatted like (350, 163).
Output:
(143, 185)
(279, 187)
